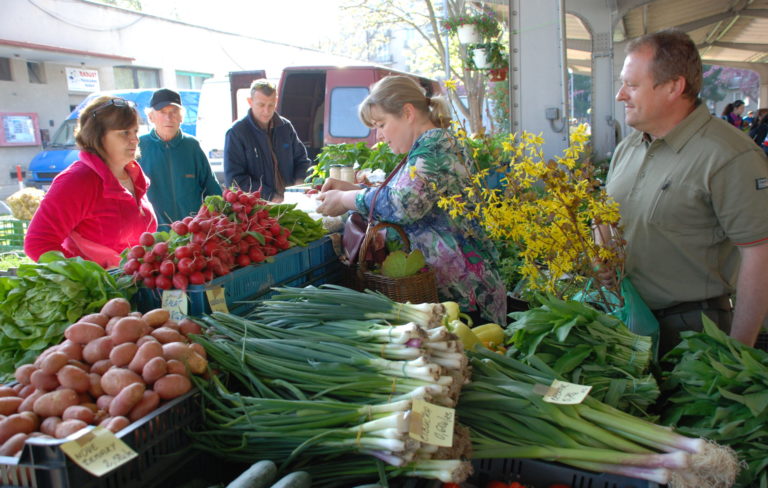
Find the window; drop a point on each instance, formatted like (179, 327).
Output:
(5, 69)
(190, 81)
(133, 77)
(36, 72)
(344, 121)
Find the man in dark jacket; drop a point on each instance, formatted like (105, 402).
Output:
(262, 150)
(179, 173)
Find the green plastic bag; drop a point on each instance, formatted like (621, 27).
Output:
(634, 313)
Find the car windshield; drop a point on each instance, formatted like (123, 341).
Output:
(65, 135)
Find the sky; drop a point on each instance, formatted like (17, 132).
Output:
(298, 22)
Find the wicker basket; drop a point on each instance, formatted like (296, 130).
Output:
(418, 288)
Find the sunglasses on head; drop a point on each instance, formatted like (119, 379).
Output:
(117, 102)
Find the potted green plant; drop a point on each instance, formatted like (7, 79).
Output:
(486, 56)
(473, 28)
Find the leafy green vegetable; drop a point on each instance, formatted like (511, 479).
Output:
(399, 265)
(44, 298)
(718, 389)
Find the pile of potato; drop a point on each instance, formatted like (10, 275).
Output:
(114, 367)
(24, 202)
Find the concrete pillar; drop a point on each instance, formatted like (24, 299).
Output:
(538, 72)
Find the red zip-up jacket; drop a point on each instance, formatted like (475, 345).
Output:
(88, 213)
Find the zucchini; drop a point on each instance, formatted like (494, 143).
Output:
(297, 479)
(260, 475)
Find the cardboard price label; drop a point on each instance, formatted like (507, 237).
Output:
(432, 424)
(216, 299)
(175, 301)
(98, 451)
(564, 393)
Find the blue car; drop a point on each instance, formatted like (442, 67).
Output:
(61, 151)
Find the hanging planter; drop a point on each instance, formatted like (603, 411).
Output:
(468, 34)
(486, 56)
(498, 74)
(481, 58)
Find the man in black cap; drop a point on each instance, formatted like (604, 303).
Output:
(179, 173)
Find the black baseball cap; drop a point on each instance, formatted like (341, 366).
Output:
(164, 97)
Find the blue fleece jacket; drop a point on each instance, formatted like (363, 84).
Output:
(179, 174)
(248, 162)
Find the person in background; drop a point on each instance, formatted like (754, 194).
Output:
(759, 129)
(747, 121)
(732, 113)
(180, 174)
(692, 197)
(464, 262)
(262, 150)
(98, 206)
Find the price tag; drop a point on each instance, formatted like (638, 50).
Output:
(98, 451)
(216, 299)
(175, 301)
(432, 424)
(566, 393)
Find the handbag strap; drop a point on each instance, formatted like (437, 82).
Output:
(378, 189)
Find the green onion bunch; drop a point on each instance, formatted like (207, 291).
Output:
(508, 418)
(590, 348)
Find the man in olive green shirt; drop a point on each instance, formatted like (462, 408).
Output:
(693, 196)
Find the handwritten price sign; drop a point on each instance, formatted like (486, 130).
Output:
(431, 423)
(98, 451)
(175, 301)
(566, 393)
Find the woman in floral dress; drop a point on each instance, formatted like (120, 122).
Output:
(465, 262)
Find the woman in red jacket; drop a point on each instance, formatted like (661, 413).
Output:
(98, 206)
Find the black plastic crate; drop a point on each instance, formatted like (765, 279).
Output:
(541, 474)
(160, 439)
(315, 264)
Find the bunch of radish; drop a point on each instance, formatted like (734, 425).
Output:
(114, 367)
(229, 231)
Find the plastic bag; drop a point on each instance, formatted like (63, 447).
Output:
(634, 313)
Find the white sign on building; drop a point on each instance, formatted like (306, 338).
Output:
(84, 80)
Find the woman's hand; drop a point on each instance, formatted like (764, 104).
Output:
(336, 202)
(334, 184)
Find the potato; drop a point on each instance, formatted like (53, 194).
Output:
(166, 335)
(175, 366)
(84, 332)
(6, 391)
(26, 390)
(154, 369)
(157, 317)
(103, 402)
(188, 326)
(196, 363)
(126, 399)
(74, 378)
(23, 373)
(172, 386)
(69, 427)
(48, 426)
(54, 403)
(10, 405)
(171, 324)
(95, 318)
(28, 403)
(101, 367)
(117, 307)
(115, 424)
(146, 338)
(13, 425)
(114, 380)
(71, 349)
(123, 354)
(32, 418)
(198, 348)
(95, 390)
(111, 324)
(128, 329)
(44, 381)
(78, 412)
(98, 349)
(149, 401)
(16, 388)
(146, 351)
(79, 364)
(176, 350)
(14, 445)
(53, 362)
(41, 357)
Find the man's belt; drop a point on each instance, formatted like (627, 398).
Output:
(717, 303)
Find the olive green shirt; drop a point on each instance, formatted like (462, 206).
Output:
(687, 200)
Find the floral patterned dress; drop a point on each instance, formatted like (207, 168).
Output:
(465, 263)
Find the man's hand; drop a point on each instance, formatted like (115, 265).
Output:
(751, 294)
